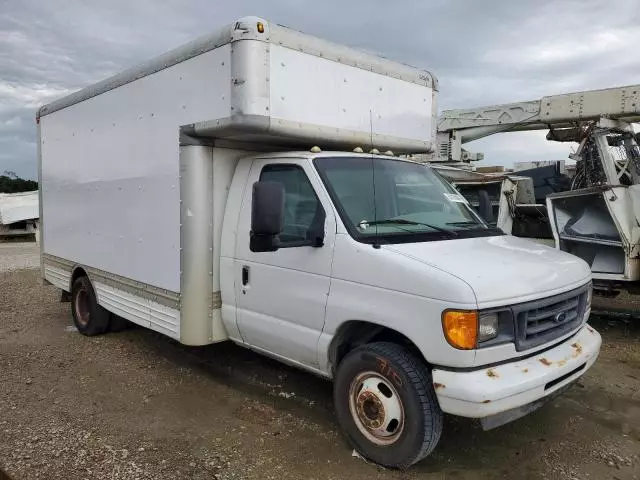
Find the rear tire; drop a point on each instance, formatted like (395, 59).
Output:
(89, 317)
(386, 405)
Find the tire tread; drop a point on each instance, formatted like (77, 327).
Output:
(419, 386)
(421, 381)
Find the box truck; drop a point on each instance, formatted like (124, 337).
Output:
(220, 193)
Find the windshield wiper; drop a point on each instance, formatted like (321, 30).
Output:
(469, 223)
(403, 221)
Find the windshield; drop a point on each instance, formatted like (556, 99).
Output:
(393, 201)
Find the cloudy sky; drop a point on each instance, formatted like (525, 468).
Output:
(482, 51)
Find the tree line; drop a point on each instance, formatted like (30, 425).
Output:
(11, 183)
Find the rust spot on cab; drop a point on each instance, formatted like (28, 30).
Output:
(562, 363)
(437, 385)
(545, 362)
(486, 401)
(492, 373)
(526, 370)
(591, 330)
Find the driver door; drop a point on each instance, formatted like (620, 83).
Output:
(282, 295)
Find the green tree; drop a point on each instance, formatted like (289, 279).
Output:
(11, 183)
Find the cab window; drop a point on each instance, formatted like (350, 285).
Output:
(302, 209)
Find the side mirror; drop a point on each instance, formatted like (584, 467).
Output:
(315, 235)
(485, 209)
(267, 216)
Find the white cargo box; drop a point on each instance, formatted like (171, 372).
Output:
(277, 85)
(110, 154)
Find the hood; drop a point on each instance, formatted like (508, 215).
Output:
(502, 269)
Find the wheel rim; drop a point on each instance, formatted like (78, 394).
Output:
(83, 307)
(376, 408)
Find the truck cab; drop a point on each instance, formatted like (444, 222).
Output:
(375, 272)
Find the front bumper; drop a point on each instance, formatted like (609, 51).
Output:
(491, 391)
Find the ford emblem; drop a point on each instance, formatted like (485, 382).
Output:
(560, 317)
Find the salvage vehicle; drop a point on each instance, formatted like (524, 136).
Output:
(597, 215)
(221, 192)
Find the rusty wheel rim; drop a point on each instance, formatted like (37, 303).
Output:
(82, 306)
(376, 408)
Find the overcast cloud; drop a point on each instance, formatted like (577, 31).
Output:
(483, 52)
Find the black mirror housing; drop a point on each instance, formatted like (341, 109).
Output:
(315, 235)
(267, 216)
(267, 208)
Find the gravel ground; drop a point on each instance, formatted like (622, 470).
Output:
(16, 256)
(136, 405)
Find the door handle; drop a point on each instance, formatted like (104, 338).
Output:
(245, 275)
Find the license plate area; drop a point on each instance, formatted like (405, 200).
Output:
(508, 416)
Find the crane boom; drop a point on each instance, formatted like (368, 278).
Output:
(456, 127)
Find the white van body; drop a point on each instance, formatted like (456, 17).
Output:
(146, 190)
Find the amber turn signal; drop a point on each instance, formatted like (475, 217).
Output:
(461, 328)
(260, 27)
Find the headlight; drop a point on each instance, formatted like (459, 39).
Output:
(488, 327)
(460, 328)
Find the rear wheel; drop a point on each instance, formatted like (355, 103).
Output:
(386, 404)
(89, 317)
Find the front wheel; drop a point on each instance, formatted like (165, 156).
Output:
(386, 404)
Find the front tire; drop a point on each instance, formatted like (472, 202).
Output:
(89, 317)
(386, 404)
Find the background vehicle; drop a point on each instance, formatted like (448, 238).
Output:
(596, 215)
(18, 214)
(183, 196)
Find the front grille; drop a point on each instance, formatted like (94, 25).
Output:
(544, 320)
